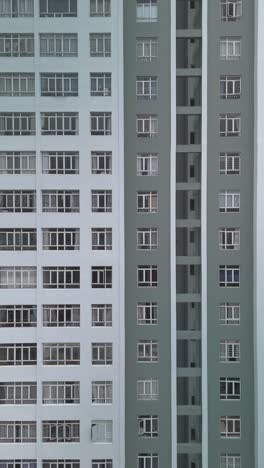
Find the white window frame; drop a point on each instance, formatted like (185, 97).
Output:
(60, 431)
(18, 463)
(230, 87)
(147, 11)
(17, 84)
(147, 88)
(147, 49)
(101, 123)
(61, 354)
(147, 125)
(147, 313)
(148, 389)
(147, 276)
(60, 238)
(18, 239)
(16, 45)
(17, 201)
(58, 44)
(17, 124)
(229, 276)
(230, 461)
(230, 125)
(17, 316)
(101, 315)
(102, 463)
(101, 162)
(148, 351)
(230, 388)
(61, 277)
(61, 315)
(148, 460)
(147, 164)
(59, 84)
(18, 277)
(60, 463)
(147, 238)
(230, 48)
(229, 238)
(230, 351)
(100, 8)
(102, 431)
(102, 392)
(18, 432)
(60, 392)
(229, 201)
(148, 426)
(147, 202)
(230, 427)
(18, 393)
(60, 201)
(18, 354)
(102, 354)
(60, 162)
(229, 313)
(59, 123)
(100, 84)
(229, 163)
(101, 238)
(101, 277)
(16, 9)
(231, 10)
(101, 201)
(17, 162)
(100, 44)
(47, 11)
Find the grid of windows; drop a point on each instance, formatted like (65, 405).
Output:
(18, 277)
(102, 392)
(148, 460)
(147, 313)
(101, 238)
(101, 315)
(61, 239)
(18, 239)
(229, 239)
(229, 314)
(61, 277)
(59, 84)
(17, 84)
(60, 463)
(101, 84)
(102, 431)
(230, 351)
(229, 276)
(147, 276)
(17, 162)
(230, 48)
(230, 427)
(230, 461)
(102, 354)
(60, 393)
(18, 463)
(101, 201)
(147, 202)
(101, 162)
(229, 163)
(61, 431)
(60, 162)
(60, 201)
(18, 393)
(147, 11)
(16, 45)
(58, 45)
(148, 389)
(16, 8)
(147, 87)
(100, 44)
(100, 8)
(18, 316)
(62, 8)
(103, 463)
(147, 238)
(148, 426)
(230, 125)
(101, 123)
(148, 351)
(147, 125)
(17, 201)
(229, 388)
(61, 315)
(231, 10)
(59, 123)
(18, 432)
(230, 87)
(61, 354)
(17, 124)
(147, 49)
(229, 201)
(18, 354)
(147, 164)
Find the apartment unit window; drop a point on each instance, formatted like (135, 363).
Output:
(61, 315)
(101, 315)
(18, 463)
(18, 432)
(101, 238)
(100, 8)
(17, 84)
(102, 463)
(148, 426)
(229, 314)
(230, 461)
(18, 277)
(147, 49)
(101, 277)
(147, 11)
(147, 313)
(229, 388)
(229, 239)
(230, 125)
(61, 431)
(60, 463)
(101, 162)
(101, 84)
(58, 8)
(229, 276)
(230, 48)
(101, 123)
(102, 431)
(17, 162)
(148, 389)
(18, 354)
(59, 123)
(229, 201)
(147, 125)
(16, 45)
(60, 201)
(18, 393)
(229, 163)
(230, 87)
(230, 427)
(18, 239)
(147, 164)
(17, 123)
(231, 10)
(61, 277)
(102, 354)
(58, 45)
(101, 201)
(18, 316)
(147, 276)
(61, 239)
(59, 84)
(147, 238)
(100, 44)
(60, 162)
(61, 393)
(16, 8)
(147, 202)
(230, 351)
(147, 351)
(102, 392)
(61, 354)
(148, 460)
(147, 87)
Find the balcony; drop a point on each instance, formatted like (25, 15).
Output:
(188, 316)
(189, 353)
(189, 392)
(188, 14)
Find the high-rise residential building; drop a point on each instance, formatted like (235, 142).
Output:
(131, 234)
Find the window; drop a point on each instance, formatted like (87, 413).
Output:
(18, 432)
(147, 11)
(16, 45)
(230, 125)
(230, 461)
(59, 123)
(17, 162)
(16, 8)
(17, 84)
(101, 84)
(147, 125)
(102, 354)
(101, 201)
(229, 164)
(229, 239)
(101, 315)
(148, 426)
(18, 463)
(22, 277)
(101, 277)
(230, 48)
(60, 201)
(18, 316)
(101, 162)
(17, 124)
(61, 431)
(103, 463)
(147, 238)
(230, 87)
(229, 388)
(61, 239)
(61, 354)
(229, 201)
(230, 351)
(61, 315)
(102, 431)
(147, 202)
(229, 276)
(18, 239)
(101, 123)
(100, 44)
(60, 162)
(147, 276)
(58, 45)
(147, 351)
(230, 427)
(231, 10)
(147, 164)
(18, 354)
(147, 313)
(18, 393)
(101, 238)
(229, 314)
(60, 463)
(147, 87)
(59, 84)
(100, 8)
(148, 389)
(102, 392)
(147, 49)
(58, 8)
(60, 393)
(148, 460)
(61, 277)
